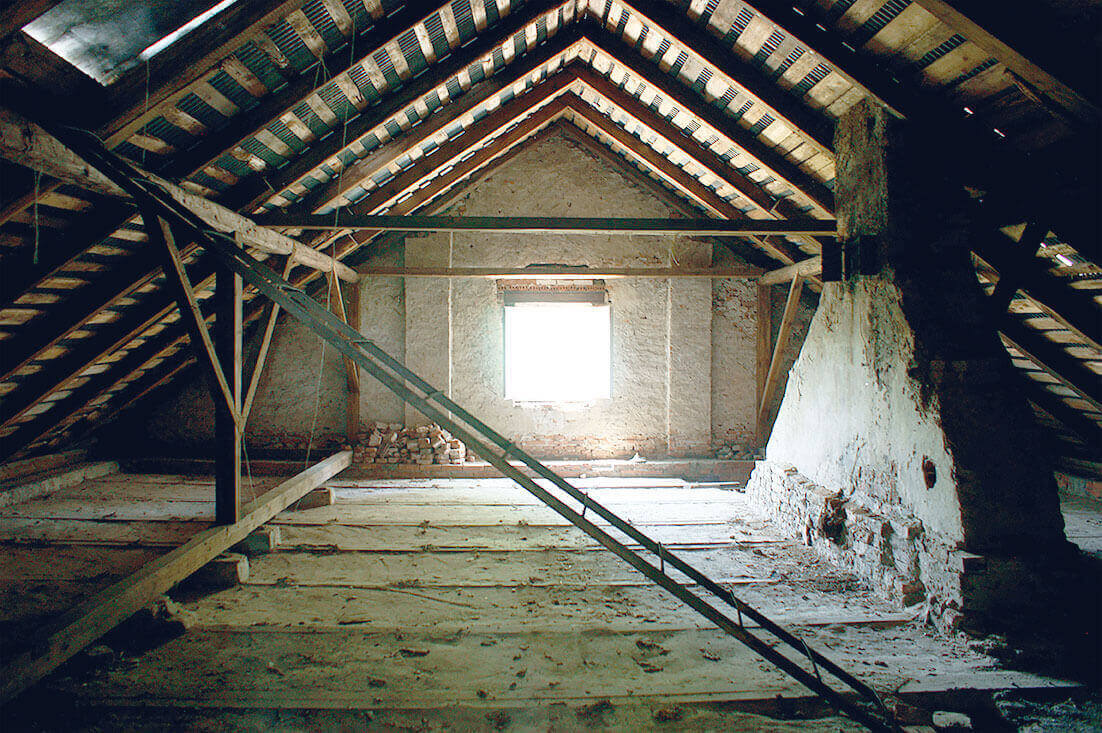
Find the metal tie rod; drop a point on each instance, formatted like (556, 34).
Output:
(437, 406)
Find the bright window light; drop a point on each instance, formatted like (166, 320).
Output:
(558, 352)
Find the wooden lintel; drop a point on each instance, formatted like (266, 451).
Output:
(561, 272)
(102, 612)
(554, 225)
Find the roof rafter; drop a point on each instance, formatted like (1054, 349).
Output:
(671, 23)
(146, 377)
(713, 201)
(818, 194)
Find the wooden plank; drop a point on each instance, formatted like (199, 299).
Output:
(93, 618)
(764, 354)
(1053, 359)
(713, 201)
(788, 317)
(331, 194)
(303, 87)
(810, 267)
(980, 24)
(24, 142)
(137, 98)
(15, 470)
(561, 273)
(671, 23)
(815, 192)
(552, 224)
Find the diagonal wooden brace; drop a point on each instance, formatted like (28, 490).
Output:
(177, 280)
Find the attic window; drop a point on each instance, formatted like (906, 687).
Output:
(558, 346)
(107, 38)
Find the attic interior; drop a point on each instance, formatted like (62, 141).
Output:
(550, 365)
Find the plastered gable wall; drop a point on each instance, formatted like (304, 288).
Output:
(661, 329)
(683, 349)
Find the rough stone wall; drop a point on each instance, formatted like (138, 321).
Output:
(683, 349)
(900, 416)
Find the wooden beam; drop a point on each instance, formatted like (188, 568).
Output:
(449, 153)
(26, 143)
(713, 201)
(552, 224)
(93, 618)
(991, 30)
(447, 189)
(272, 107)
(821, 198)
(561, 273)
(1053, 359)
(773, 377)
(764, 356)
(262, 353)
(672, 23)
(1010, 281)
(162, 240)
(810, 267)
(229, 427)
(457, 109)
(137, 98)
(1074, 309)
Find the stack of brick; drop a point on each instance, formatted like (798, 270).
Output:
(423, 445)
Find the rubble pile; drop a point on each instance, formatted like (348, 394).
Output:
(424, 445)
(736, 452)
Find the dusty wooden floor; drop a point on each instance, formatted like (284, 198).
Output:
(456, 604)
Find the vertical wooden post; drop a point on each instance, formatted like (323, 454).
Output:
(227, 436)
(764, 354)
